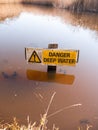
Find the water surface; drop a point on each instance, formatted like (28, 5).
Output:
(20, 94)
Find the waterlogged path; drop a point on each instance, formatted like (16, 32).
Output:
(25, 89)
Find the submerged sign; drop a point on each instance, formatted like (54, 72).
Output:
(59, 57)
(52, 56)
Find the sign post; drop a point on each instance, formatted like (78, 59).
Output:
(52, 69)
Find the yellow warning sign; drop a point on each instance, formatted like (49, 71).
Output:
(59, 57)
(34, 58)
(52, 56)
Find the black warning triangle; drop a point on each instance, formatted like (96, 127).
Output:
(34, 58)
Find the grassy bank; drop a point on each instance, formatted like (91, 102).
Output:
(84, 5)
(75, 5)
(30, 126)
(38, 2)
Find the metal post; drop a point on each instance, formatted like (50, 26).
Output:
(50, 68)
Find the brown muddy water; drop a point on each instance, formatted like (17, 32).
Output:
(21, 92)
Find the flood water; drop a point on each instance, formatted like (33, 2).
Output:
(23, 94)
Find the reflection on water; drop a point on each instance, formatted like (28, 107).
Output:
(24, 26)
(6, 76)
(50, 77)
(86, 20)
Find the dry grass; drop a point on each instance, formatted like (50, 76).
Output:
(43, 121)
(42, 126)
(84, 6)
(75, 5)
(15, 126)
(38, 2)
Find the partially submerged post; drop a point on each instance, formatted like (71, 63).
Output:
(51, 68)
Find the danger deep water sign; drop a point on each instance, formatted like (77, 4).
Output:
(52, 56)
(59, 57)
